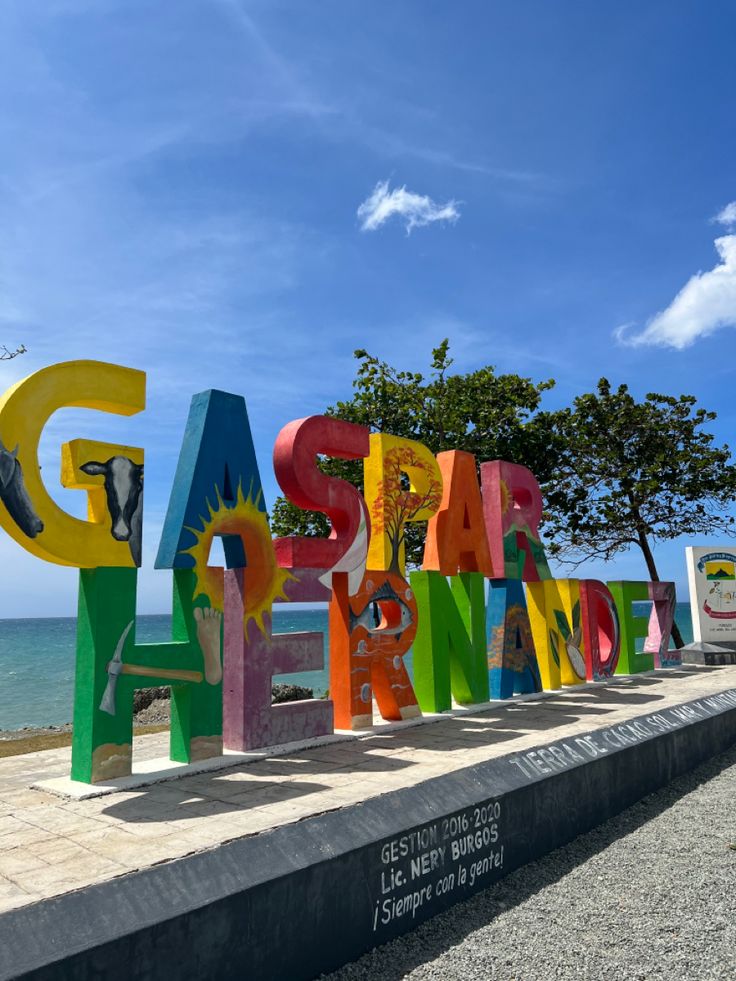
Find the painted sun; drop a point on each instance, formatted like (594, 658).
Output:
(264, 579)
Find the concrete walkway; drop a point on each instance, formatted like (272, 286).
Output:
(50, 845)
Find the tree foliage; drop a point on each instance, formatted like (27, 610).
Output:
(485, 413)
(633, 473)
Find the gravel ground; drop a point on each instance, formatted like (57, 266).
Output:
(650, 894)
(156, 714)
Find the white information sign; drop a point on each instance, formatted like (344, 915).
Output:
(712, 580)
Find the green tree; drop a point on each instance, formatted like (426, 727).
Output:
(633, 473)
(485, 413)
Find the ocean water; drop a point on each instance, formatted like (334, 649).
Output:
(37, 661)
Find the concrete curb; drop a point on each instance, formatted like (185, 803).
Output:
(307, 897)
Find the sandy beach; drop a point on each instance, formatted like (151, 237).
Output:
(152, 716)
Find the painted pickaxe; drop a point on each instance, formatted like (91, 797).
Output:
(116, 667)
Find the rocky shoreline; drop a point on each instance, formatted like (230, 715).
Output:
(151, 707)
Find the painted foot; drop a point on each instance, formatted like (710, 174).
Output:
(208, 635)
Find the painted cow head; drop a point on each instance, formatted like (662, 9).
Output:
(124, 489)
(14, 495)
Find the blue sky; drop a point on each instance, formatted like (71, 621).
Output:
(180, 185)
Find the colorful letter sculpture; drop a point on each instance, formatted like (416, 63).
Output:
(370, 633)
(601, 631)
(110, 666)
(450, 646)
(632, 627)
(253, 655)
(512, 502)
(456, 535)
(295, 466)
(216, 493)
(512, 659)
(409, 645)
(27, 511)
(662, 595)
(112, 475)
(554, 613)
(393, 506)
(217, 460)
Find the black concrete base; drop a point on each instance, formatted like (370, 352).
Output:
(307, 897)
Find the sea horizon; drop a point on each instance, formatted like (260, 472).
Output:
(37, 656)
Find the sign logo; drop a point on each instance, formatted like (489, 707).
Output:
(719, 569)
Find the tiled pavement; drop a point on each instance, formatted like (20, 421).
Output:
(50, 845)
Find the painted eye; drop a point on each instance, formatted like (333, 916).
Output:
(365, 693)
(408, 594)
(397, 662)
(361, 647)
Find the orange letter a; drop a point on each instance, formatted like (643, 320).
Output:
(456, 535)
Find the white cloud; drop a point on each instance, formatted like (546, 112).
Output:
(727, 215)
(706, 302)
(415, 209)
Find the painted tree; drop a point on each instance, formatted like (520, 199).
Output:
(395, 505)
(485, 413)
(632, 473)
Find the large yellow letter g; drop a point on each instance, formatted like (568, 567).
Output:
(27, 512)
